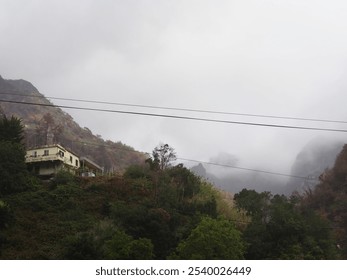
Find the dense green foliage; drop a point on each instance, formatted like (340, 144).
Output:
(282, 229)
(11, 130)
(5, 215)
(13, 173)
(125, 218)
(157, 213)
(153, 211)
(144, 214)
(212, 240)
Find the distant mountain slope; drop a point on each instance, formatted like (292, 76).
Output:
(44, 125)
(318, 155)
(235, 181)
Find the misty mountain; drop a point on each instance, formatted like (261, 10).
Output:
(317, 156)
(48, 124)
(234, 180)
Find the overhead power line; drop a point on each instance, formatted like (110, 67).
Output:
(246, 169)
(177, 117)
(204, 162)
(180, 109)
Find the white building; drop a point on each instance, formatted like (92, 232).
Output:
(47, 160)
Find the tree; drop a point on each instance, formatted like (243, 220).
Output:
(212, 239)
(329, 199)
(186, 183)
(254, 203)
(107, 241)
(82, 246)
(11, 130)
(5, 215)
(124, 247)
(281, 230)
(12, 154)
(162, 157)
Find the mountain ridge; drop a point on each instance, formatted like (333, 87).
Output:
(39, 121)
(314, 158)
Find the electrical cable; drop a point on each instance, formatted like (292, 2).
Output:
(190, 118)
(178, 109)
(247, 169)
(177, 117)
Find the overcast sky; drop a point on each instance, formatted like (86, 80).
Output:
(279, 57)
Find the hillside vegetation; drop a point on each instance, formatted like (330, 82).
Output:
(329, 199)
(150, 209)
(160, 211)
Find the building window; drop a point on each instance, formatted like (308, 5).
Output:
(71, 159)
(61, 154)
(46, 152)
(76, 162)
(35, 154)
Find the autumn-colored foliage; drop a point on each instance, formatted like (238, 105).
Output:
(329, 200)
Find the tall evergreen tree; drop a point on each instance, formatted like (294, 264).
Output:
(12, 154)
(11, 129)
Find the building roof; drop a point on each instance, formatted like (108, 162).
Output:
(53, 146)
(90, 164)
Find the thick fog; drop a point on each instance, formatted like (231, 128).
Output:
(277, 58)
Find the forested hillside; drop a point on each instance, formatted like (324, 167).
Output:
(315, 157)
(50, 124)
(161, 211)
(148, 213)
(329, 199)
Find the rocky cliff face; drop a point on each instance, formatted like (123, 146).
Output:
(43, 121)
(317, 156)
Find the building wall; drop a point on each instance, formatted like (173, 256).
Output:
(53, 153)
(48, 160)
(46, 168)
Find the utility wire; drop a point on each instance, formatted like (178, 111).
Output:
(180, 117)
(247, 169)
(177, 117)
(204, 162)
(187, 118)
(178, 109)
